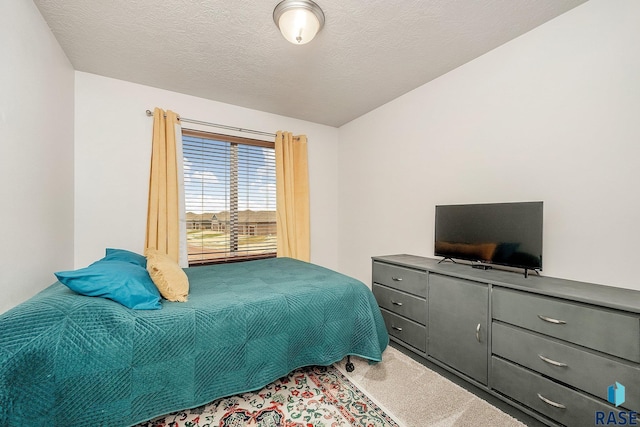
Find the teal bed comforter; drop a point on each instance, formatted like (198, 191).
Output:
(67, 359)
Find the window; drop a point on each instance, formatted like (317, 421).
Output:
(230, 197)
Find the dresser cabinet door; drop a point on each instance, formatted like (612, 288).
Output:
(458, 320)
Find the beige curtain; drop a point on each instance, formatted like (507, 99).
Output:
(292, 196)
(164, 198)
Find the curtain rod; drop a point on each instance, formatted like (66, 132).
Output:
(215, 125)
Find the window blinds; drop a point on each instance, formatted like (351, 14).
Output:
(230, 197)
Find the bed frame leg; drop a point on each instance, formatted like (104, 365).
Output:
(349, 366)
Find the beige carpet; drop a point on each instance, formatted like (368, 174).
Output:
(419, 397)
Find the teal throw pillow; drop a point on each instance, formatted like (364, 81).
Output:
(120, 281)
(126, 256)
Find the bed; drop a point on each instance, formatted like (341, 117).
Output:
(67, 359)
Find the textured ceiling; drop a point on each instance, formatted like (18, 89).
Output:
(368, 53)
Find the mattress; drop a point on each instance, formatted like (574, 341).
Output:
(67, 359)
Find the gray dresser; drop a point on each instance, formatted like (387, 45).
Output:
(559, 350)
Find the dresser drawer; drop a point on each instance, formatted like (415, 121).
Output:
(405, 330)
(544, 395)
(405, 279)
(601, 329)
(566, 363)
(410, 306)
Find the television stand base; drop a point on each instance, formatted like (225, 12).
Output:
(533, 270)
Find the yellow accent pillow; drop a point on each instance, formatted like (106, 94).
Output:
(169, 278)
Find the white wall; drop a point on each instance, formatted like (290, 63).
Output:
(553, 115)
(36, 154)
(113, 152)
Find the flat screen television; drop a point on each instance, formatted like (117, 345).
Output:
(508, 234)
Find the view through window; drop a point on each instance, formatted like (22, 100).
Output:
(230, 197)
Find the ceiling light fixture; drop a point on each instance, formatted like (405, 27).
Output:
(298, 20)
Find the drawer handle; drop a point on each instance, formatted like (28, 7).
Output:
(552, 362)
(551, 402)
(478, 332)
(399, 304)
(551, 320)
(397, 328)
(396, 279)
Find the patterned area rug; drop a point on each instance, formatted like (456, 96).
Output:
(315, 396)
